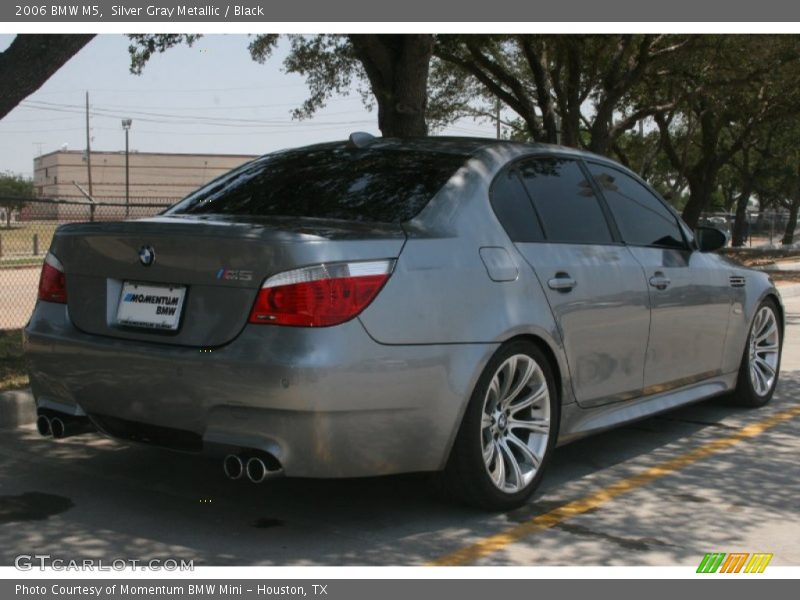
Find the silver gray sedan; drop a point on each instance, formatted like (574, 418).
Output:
(379, 306)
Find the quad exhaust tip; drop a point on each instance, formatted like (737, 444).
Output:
(233, 466)
(257, 468)
(59, 426)
(43, 426)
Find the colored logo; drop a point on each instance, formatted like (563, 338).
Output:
(147, 256)
(234, 275)
(734, 562)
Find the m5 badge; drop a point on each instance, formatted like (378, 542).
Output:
(234, 275)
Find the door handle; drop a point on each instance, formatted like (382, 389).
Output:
(660, 281)
(562, 282)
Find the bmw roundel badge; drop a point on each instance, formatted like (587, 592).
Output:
(147, 256)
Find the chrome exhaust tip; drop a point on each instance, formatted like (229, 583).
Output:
(57, 427)
(256, 470)
(62, 427)
(233, 466)
(260, 469)
(43, 426)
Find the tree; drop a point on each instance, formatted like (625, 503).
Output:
(393, 67)
(15, 191)
(726, 88)
(30, 61)
(574, 89)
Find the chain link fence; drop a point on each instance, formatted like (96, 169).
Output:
(25, 235)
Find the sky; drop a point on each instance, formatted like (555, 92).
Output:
(211, 98)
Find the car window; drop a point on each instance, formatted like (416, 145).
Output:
(514, 209)
(564, 201)
(641, 217)
(329, 182)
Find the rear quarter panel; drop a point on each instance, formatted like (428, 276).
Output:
(441, 291)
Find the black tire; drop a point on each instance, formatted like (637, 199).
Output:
(745, 393)
(466, 478)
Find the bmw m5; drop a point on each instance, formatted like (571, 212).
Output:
(380, 306)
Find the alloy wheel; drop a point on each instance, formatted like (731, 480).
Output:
(764, 350)
(515, 423)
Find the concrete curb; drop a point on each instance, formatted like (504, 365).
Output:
(17, 408)
(789, 291)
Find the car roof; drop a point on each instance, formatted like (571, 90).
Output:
(469, 146)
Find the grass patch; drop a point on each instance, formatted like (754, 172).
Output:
(12, 366)
(18, 241)
(20, 263)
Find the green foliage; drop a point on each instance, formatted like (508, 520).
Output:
(706, 119)
(14, 191)
(143, 46)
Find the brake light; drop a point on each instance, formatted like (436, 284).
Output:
(320, 295)
(52, 283)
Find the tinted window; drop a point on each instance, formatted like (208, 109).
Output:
(329, 182)
(565, 202)
(642, 218)
(514, 209)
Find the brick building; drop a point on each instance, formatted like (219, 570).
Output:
(158, 178)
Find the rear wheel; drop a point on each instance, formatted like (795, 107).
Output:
(758, 372)
(508, 431)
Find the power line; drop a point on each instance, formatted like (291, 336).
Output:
(174, 118)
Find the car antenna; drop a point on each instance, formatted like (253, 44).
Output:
(360, 139)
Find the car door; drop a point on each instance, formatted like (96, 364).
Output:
(690, 296)
(595, 288)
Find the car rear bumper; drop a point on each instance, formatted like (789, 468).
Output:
(326, 402)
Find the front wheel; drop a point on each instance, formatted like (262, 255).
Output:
(508, 431)
(761, 360)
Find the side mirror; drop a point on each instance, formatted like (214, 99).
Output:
(709, 239)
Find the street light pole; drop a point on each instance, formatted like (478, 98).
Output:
(126, 125)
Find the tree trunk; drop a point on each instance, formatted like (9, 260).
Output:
(397, 68)
(740, 224)
(30, 60)
(700, 190)
(791, 224)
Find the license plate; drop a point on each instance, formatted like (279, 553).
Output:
(151, 306)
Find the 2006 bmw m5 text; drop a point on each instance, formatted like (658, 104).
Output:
(381, 306)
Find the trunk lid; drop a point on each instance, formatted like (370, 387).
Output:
(221, 261)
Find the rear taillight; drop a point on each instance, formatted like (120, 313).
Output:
(52, 285)
(321, 295)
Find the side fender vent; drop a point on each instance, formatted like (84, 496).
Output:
(738, 281)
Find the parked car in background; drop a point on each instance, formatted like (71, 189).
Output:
(379, 306)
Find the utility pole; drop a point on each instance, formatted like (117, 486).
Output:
(126, 125)
(497, 117)
(88, 146)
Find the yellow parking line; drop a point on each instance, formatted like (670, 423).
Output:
(498, 541)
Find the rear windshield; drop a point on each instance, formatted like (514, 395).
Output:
(366, 184)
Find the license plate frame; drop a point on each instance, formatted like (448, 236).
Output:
(151, 306)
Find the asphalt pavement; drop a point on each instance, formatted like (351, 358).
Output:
(663, 491)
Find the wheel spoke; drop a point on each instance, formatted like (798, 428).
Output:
(522, 379)
(525, 450)
(758, 322)
(771, 330)
(486, 421)
(529, 400)
(498, 474)
(760, 383)
(772, 348)
(492, 395)
(766, 368)
(489, 453)
(513, 464)
(533, 426)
